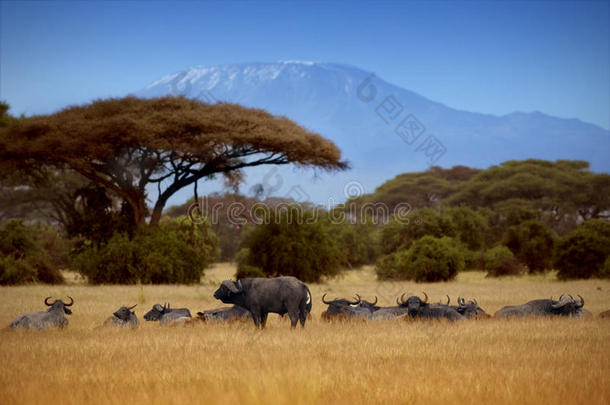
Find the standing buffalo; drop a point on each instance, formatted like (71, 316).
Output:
(418, 308)
(166, 315)
(343, 309)
(123, 317)
(260, 296)
(226, 314)
(51, 318)
(566, 306)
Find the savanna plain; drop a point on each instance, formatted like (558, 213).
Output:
(528, 361)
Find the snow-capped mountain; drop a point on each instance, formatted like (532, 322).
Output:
(382, 129)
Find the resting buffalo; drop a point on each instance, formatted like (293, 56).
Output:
(51, 318)
(343, 309)
(260, 296)
(470, 309)
(166, 315)
(123, 317)
(418, 308)
(384, 313)
(226, 314)
(566, 306)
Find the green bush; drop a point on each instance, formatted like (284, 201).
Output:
(500, 261)
(386, 268)
(16, 271)
(428, 259)
(583, 252)
(471, 226)
(357, 243)
(293, 242)
(532, 243)
(243, 269)
(24, 256)
(175, 252)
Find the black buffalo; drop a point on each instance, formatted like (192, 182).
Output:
(383, 313)
(565, 306)
(124, 316)
(54, 317)
(343, 309)
(418, 308)
(167, 315)
(225, 314)
(260, 296)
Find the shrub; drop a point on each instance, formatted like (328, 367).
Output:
(243, 269)
(386, 268)
(23, 255)
(356, 243)
(175, 252)
(500, 261)
(16, 271)
(471, 226)
(428, 259)
(532, 243)
(583, 252)
(293, 242)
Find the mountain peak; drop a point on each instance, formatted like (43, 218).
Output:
(381, 128)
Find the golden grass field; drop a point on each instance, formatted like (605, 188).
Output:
(534, 361)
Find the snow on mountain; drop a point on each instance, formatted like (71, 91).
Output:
(382, 129)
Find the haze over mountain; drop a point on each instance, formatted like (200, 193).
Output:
(382, 129)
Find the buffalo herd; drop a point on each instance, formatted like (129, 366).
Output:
(254, 298)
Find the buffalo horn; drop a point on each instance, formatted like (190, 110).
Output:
(46, 303)
(71, 302)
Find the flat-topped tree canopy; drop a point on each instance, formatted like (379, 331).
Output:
(125, 144)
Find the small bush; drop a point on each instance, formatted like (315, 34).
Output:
(175, 252)
(24, 255)
(428, 259)
(500, 261)
(16, 271)
(583, 252)
(293, 242)
(243, 269)
(532, 243)
(387, 269)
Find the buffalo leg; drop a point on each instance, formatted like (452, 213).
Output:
(264, 319)
(294, 318)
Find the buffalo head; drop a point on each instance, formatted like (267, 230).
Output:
(228, 291)
(124, 313)
(59, 305)
(567, 305)
(470, 309)
(413, 303)
(156, 312)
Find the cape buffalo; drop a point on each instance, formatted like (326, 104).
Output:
(343, 309)
(565, 306)
(383, 313)
(418, 308)
(123, 317)
(470, 309)
(226, 314)
(260, 296)
(51, 318)
(166, 315)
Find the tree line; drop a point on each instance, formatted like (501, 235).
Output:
(77, 194)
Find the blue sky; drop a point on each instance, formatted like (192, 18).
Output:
(490, 57)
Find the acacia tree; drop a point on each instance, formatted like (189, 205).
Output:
(127, 144)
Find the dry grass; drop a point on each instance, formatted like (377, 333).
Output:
(520, 361)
